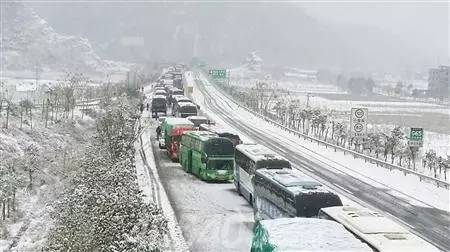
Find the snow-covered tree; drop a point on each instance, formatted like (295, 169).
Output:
(103, 210)
(31, 162)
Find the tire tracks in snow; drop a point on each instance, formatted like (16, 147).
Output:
(158, 195)
(361, 192)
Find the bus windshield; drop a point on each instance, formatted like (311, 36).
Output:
(188, 109)
(217, 164)
(219, 147)
(273, 164)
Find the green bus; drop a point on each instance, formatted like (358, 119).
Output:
(207, 155)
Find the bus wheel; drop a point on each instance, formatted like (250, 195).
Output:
(202, 175)
(256, 215)
(239, 189)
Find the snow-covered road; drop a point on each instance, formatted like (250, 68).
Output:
(421, 208)
(212, 216)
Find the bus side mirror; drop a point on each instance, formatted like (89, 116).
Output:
(203, 160)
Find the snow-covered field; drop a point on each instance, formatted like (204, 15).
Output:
(376, 106)
(295, 87)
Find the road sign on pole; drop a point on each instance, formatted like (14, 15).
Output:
(415, 137)
(358, 122)
(218, 73)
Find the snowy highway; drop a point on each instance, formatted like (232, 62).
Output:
(431, 223)
(212, 216)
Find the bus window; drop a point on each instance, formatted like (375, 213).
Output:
(218, 164)
(219, 147)
(295, 195)
(273, 164)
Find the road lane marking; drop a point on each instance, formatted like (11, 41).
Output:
(342, 188)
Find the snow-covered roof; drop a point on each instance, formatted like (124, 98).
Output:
(159, 97)
(178, 121)
(160, 92)
(203, 135)
(218, 128)
(377, 230)
(175, 89)
(167, 82)
(180, 98)
(311, 234)
(186, 104)
(292, 180)
(258, 152)
(197, 118)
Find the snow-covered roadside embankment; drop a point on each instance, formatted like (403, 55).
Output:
(150, 184)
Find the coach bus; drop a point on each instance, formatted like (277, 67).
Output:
(222, 132)
(173, 129)
(159, 105)
(178, 99)
(250, 157)
(172, 93)
(178, 80)
(185, 109)
(379, 232)
(287, 193)
(207, 155)
(304, 234)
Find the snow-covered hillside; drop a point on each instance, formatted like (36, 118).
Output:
(251, 68)
(28, 41)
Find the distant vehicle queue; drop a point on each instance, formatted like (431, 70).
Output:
(283, 199)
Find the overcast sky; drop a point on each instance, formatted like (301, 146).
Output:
(411, 34)
(423, 24)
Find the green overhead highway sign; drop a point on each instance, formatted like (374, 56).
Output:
(218, 73)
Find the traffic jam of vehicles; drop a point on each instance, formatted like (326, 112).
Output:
(292, 211)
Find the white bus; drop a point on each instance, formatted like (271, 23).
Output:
(379, 232)
(282, 193)
(304, 234)
(248, 158)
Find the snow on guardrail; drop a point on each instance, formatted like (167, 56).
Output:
(438, 182)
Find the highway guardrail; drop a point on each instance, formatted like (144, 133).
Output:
(378, 162)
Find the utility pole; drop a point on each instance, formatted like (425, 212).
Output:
(128, 79)
(1, 97)
(308, 95)
(135, 81)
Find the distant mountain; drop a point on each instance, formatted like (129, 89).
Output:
(29, 41)
(223, 33)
